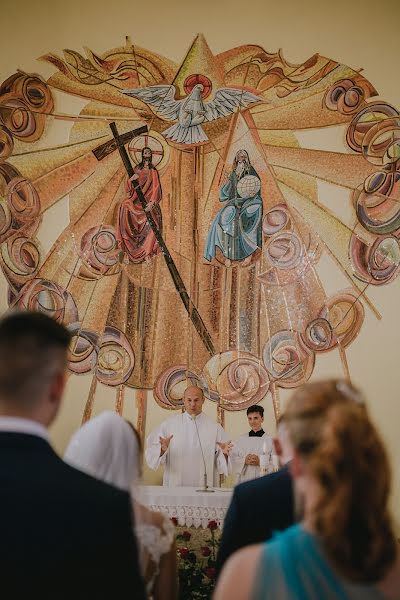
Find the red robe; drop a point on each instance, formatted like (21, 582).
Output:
(134, 233)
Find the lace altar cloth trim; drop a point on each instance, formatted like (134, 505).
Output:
(190, 508)
(191, 516)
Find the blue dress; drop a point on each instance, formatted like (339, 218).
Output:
(236, 229)
(293, 567)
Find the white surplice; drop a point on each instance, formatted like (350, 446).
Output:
(183, 462)
(250, 445)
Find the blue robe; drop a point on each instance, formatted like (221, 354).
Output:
(236, 229)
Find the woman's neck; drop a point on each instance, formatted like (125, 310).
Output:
(308, 492)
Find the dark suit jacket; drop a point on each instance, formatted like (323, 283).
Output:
(257, 509)
(63, 534)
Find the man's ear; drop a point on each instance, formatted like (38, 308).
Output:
(57, 387)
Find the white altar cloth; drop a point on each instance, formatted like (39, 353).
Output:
(190, 508)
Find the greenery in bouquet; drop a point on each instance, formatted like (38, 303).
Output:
(196, 564)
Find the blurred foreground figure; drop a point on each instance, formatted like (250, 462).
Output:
(344, 547)
(64, 534)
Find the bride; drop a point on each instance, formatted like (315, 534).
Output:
(108, 448)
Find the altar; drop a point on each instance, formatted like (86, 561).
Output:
(189, 507)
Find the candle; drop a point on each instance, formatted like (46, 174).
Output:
(275, 462)
(265, 448)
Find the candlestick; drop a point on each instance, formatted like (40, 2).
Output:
(263, 464)
(275, 462)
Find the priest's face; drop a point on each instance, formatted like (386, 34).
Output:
(193, 400)
(255, 421)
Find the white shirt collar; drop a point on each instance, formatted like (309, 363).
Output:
(18, 425)
(192, 418)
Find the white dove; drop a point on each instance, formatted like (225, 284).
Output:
(192, 111)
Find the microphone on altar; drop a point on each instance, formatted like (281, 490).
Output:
(205, 487)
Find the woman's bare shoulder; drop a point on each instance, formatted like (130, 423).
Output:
(238, 575)
(390, 585)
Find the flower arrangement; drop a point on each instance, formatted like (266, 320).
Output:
(196, 563)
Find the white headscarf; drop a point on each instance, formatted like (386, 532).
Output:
(106, 448)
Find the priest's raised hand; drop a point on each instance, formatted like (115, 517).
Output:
(164, 443)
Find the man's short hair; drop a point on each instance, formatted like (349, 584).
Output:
(32, 348)
(256, 408)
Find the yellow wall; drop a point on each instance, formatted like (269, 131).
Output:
(361, 34)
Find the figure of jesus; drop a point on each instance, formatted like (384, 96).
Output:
(134, 233)
(176, 445)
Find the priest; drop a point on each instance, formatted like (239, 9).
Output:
(189, 443)
(250, 446)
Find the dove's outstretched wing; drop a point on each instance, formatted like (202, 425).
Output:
(226, 100)
(161, 98)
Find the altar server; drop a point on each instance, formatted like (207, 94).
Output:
(189, 444)
(249, 446)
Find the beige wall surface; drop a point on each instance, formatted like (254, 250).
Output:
(361, 34)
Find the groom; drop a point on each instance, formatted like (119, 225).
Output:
(63, 534)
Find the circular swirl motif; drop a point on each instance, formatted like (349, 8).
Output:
(50, 298)
(6, 143)
(284, 250)
(276, 219)
(35, 92)
(236, 379)
(369, 117)
(319, 336)
(344, 96)
(18, 119)
(83, 348)
(23, 103)
(21, 255)
(23, 199)
(377, 202)
(99, 249)
(285, 358)
(171, 384)
(7, 173)
(5, 221)
(381, 143)
(345, 314)
(115, 358)
(377, 264)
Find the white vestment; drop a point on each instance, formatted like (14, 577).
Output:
(250, 445)
(183, 461)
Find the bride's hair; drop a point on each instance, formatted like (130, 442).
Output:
(328, 425)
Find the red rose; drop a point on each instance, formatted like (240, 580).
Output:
(212, 525)
(174, 521)
(184, 552)
(205, 551)
(186, 536)
(211, 572)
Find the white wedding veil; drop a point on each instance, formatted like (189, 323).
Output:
(107, 448)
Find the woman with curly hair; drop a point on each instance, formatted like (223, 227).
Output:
(344, 546)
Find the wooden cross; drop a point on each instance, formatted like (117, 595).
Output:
(108, 147)
(191, 309)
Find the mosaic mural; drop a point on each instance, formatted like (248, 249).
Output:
(197, 256)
